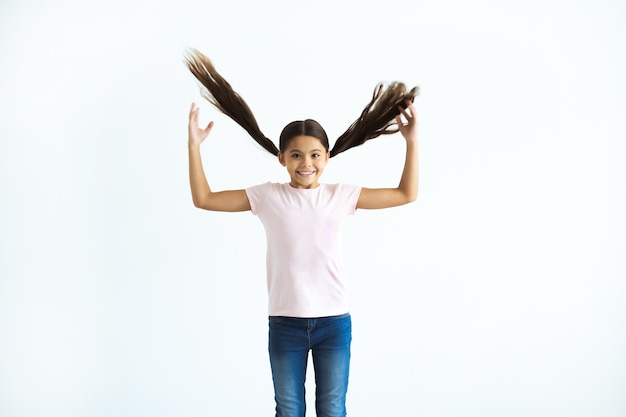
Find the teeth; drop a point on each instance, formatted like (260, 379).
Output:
(305, 172)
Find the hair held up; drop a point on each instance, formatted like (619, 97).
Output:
(377, 118)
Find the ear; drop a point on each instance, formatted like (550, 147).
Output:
(281, 159)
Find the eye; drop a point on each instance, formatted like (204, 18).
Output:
(295, 155)
(315, 155)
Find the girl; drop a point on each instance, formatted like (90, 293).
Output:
(307, 295)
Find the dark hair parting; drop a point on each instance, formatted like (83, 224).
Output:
(378, 117)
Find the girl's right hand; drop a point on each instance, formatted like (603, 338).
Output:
(196, 134)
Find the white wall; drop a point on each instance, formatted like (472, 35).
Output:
(498, 293)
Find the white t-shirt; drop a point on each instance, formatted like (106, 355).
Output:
(305, 274)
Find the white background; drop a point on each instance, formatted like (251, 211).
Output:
(499, 292)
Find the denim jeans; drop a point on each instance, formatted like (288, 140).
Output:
(328, 339)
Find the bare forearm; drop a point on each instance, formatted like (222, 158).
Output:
(409, 182)
(200, 189)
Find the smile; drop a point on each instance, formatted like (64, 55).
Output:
(305, 173)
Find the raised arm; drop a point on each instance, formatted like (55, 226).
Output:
(406, 191)
(203, 197)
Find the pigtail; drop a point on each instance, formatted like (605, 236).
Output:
(378, 117)
(219, 93)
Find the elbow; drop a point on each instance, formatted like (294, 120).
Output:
(411, 196)
(403, 200)
(200, 203)
(407, 194)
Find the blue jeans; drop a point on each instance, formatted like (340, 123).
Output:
(328, 339)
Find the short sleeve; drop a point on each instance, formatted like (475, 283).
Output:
(351, 195)
(256, 195)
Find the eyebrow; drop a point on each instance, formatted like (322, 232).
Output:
(296, 150)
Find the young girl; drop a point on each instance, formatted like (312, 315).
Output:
(308, 308)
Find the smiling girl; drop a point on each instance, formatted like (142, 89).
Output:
(307, 295)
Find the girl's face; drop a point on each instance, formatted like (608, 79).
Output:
(305, 159)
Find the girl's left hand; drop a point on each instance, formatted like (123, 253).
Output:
(408, 130)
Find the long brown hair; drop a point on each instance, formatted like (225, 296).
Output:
(377, 118)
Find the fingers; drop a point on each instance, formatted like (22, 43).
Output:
(409, 112)
(193, 112)
(406, 115)
(193, 118)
